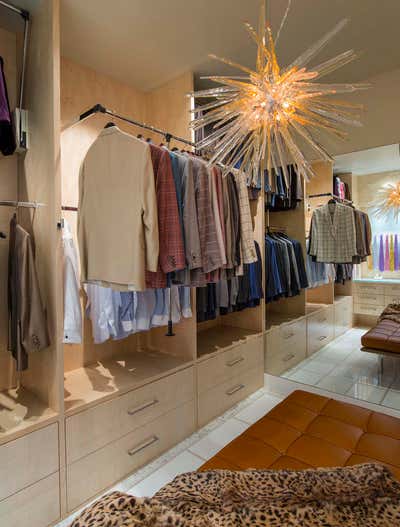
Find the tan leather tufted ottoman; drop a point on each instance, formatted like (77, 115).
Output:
(384, 336)
(308, 431)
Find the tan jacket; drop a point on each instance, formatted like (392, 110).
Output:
(28, 330)
(117, 220)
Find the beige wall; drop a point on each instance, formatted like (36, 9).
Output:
(380, 117)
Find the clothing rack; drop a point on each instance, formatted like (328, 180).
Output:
(326, 194)
(25, 204)
(99, 108)
(26, 17)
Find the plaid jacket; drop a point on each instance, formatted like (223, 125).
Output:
(333, 235)
(172, 252)
(248, 247)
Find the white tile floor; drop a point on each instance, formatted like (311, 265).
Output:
(341, 367)
(197, 449)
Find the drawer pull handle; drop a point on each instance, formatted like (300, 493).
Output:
(235, 389)
(289, 357)
(289, 336)
(234, 362)
(143, 407)
(143, 445)
(323, 337)
(321, 320)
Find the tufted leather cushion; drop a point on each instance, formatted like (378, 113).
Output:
(384, 336)
(309, 431)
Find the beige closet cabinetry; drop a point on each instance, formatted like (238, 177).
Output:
(285, 346)
(89, 430)
(100, 469)
(320, 329)
(343, 308)
(230, 375)
(370, 298)
(29, 476)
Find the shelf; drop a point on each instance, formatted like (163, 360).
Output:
(377, 280)
(342, 298)
(213, 340)
(279, 319)
(22, 412)
(89, 385)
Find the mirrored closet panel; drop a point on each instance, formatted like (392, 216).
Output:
(326, 338)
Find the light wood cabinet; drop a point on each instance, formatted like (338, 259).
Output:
(285, 347)
(343, 309)
(91, 429)
(100, 469)
(240, 358)
(320, 329)
(35, 506)
(27, 460)
(217, 400)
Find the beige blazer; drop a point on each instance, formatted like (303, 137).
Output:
(117, 219)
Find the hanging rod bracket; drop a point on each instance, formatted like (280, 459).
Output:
(25, 14)
(97, 108)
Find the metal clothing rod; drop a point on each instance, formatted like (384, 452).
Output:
(99, 108)
(26, 204)
(311, 196)
(14, 8)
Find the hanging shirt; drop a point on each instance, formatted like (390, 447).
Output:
(117, 217)
(72, 303)
(28, 330)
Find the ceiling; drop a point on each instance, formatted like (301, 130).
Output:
(372, 161)
(148, 42)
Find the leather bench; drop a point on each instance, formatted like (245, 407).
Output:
(385, 336)
(308, 431)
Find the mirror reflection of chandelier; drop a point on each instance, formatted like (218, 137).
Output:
(263, 116)
(387, 203)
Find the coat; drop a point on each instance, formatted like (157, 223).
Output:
(117, 217)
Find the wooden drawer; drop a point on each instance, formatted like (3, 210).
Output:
(98, 426)
(320, 329)
(28, 460)
(367, 309)
(245, 356)
(392, 289)
(35, 506)
(392, 299)
(97, 471)
(369, 288)
(371, 299)
(285, 347)
(343, 317)
(216, 401)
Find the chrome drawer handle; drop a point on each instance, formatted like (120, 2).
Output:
(234, 362)
(289, 336)
(323, 337)
(289, 357)
(143, 407)
(235, 389)
(143, 445)
(322, 320)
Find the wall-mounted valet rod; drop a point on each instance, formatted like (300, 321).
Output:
(329, 194)
(99, 108)
(25, 204)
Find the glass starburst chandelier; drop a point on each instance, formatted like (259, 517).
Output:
(387, 203)
(267, 116)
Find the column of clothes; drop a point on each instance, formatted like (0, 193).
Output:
(320, 273)
(285, 269)
(341, 189)
(7, 137)
(151, 224)
(385, 253)
(283, 189)
(339, 234)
